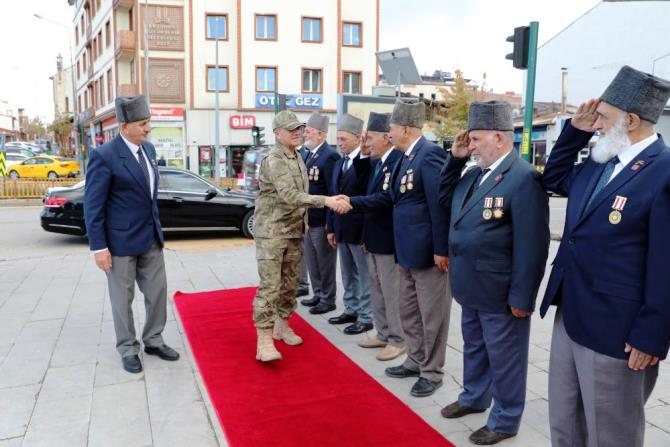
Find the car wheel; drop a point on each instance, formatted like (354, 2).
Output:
(13, 174)
(52, 175)
(248, 224)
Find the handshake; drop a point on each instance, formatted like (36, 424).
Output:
(340, 204)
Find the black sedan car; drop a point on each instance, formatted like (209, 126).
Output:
(186, 202)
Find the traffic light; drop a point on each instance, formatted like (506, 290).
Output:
(258, 135)
(520, 39)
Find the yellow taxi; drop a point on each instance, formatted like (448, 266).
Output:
(44, 166)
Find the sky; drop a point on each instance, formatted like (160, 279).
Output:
(441, 34)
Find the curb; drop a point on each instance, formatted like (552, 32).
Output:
(20, 202)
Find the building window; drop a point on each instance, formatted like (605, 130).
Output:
(351, 82)
(101, 90)
(79, 103)
(352, 34)
(217, 26)
(311, 29)
(67, 106)
(217, 78)
(100, 43)
(78, 70)
(266, 27)
(311, 80)
(76, 34)
(110, 94)
(83, 62)
(108, 34)
(266, 79)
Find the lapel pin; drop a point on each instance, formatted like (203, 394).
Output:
(498, 178)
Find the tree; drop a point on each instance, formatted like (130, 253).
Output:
(62, 130)
(34, 128)
(458, 100)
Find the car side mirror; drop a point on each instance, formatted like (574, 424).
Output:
(211, 193)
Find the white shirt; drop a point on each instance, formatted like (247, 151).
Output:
(347, 163)
(494, 165)
(629, 154)
(409, 151)
(133, 148)
(386, 155)
(316, 149)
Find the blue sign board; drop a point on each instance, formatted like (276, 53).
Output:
(267, 101)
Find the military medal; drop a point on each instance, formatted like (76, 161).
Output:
(616, 216)
(637, 165)
(316, 173)
(403, 188)
(387, 177)
(410, 180)
(498, 211)
(488, 203)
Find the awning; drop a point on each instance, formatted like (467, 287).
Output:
(6, 131)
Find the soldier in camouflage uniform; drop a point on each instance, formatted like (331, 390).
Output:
(279, 226)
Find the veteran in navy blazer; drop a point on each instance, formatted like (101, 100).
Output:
(350, 178)
(124, 230)
(380, 247)
(498, 245)
(610, 276)
(420, 226)
(320, 257)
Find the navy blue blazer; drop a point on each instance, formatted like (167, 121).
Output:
(378, 224)
(320, 169)
(611, 277)
(120, 212)
(420, 222)
(348, 228)
(496, 260)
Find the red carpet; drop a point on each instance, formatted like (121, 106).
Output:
(315, 396)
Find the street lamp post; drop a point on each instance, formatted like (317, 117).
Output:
(75, 118)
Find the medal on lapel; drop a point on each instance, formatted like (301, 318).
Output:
(410, 180)
(488, 204)
(387, 177)
(403, 186)
(498, 211)
(637, 165)
(616, 216)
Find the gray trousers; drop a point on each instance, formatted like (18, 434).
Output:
(321, 261)
(148, 270)
(303, 283)
(425, 306)
(356, 281)
(594, 400)
(384, 284)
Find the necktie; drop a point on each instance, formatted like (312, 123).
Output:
(603, 180)
(475, 185)
(378, 168)
(143, 165)
(345, 165)
(309, 156)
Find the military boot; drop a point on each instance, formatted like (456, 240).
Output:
(266, 351)
(282, 331)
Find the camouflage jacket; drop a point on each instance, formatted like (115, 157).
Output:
(282, 199)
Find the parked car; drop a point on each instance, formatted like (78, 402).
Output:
(19, 147)
(12, 159)
(186, 203)
(19, 151)
(24, 145)
(45, 166)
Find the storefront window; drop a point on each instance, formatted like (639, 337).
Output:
(169, 143)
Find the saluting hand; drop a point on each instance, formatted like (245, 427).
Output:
(586, 116)
(638, 360)
(461, 146)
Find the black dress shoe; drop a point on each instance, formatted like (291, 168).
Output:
(302, 291)
(456, 410)
(311, 302)
(484, 436)
(132, 364)
(357, 328)
(343, 319)
(164, 352)
(424, 387)
(400, 372)
(322, 308)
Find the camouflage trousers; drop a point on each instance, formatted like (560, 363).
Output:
(279, 269)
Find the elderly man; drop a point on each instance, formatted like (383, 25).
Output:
(420, 226)
(279, 230)
(610, 277)
(124, 231)
(320, 257)
(498, 244)
(350, 177)
(378, 242)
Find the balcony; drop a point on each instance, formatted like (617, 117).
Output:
(126, 90)
(125, 4)
(125, 44)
